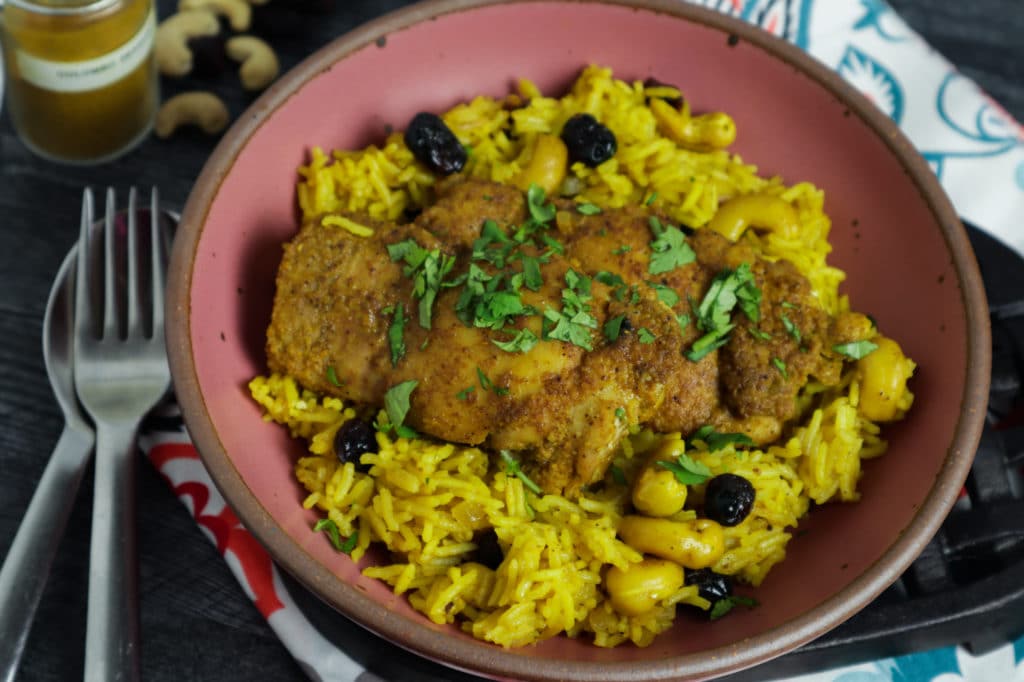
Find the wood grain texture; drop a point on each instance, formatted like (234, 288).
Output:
(197, 624)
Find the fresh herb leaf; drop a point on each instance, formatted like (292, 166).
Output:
(781, 366)
(553, 244)
(396, 401)
(588, 209)
(573, 323)
(539, 210)
(683, 320)
(427, 268)
(405, 432)
(645, 335)
(609, 278)
(617, 474)
(620, 414)
(687, 471)
(488, 385)
(855, 350)
(512, 467)
(334, 535)
(790, 328)
(758, 334)
(464, 393)
(396, 338)
(651, 198)
(727, 289)
(716, 441)
(602, 232)
(665, 294)
(787, 304)
(332, 375)
(669, 249)
(523, 342)
(531, 273)
(625, 248)
(613, 327)
(724, 606)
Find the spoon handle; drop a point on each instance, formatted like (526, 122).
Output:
(28, 562)
(112, 624)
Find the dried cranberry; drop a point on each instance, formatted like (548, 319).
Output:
(588, 140)
(728, 499)
(434, 144)
(353, 438)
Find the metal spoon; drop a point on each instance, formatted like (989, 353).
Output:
(28, 562)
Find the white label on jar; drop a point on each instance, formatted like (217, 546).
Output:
(90, 74)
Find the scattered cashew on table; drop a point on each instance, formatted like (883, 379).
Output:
(174, 58)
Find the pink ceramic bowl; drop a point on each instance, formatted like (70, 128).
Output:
(895, 233)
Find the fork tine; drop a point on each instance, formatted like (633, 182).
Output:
(156, 240)
(110, 297)
(82, 302)
(134, 300)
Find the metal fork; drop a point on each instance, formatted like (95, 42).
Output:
(121, 372)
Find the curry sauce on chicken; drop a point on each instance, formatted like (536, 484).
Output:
(547, 329)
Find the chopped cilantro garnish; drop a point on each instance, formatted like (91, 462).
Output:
(683, 320)
(855, 350)
(724, 606)
(552, 244)
(573, 323)
(620, 414)
(758, 334)
(781, 366)
(790, 328)
(617, 475)
(669, 249)
(588, 209)
(651, 198)
(602, 232)
(531, 273)
(396, 402)
(464, 393)
(332, 375)
(427, 268)
(512, 467)
(665, 294)
(539, 210)
(645, 335)
(334, 535)
(686, 470)
(625, 248)
(728, 288)
(488, 385)
(612, 328)
(396, 338)
(716, 441)
(787, 304)
(523, 342)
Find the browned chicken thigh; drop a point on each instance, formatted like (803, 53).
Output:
(608, 333)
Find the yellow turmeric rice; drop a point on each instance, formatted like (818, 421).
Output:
(426, 501)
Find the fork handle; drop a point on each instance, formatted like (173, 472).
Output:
(28, 561)
(112, 635)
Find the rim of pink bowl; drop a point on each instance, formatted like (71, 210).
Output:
(487, 659)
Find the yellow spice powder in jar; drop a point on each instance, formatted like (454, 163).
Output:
(82, 81)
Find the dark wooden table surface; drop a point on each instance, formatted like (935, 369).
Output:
(197, 623)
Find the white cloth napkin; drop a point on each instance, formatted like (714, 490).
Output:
(972, 144)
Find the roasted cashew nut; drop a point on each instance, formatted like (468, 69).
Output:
(715, 130)
(755, 210)
(237, 12)
(201, 109)
(259, 63)
(173, 57)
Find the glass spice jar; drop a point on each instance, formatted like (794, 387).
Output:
(82, 84)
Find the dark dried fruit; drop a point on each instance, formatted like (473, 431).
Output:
(728, 499)
(588, 141)
(710, 585)
(434, 144)
(353, 438)
(488, 551)
(677, 102)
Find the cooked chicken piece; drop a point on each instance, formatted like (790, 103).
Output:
(463, 206)
(562, 409)
(332, 289)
